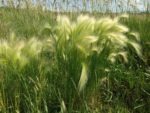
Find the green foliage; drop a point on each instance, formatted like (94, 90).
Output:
(80, 47)
(86, 65)
(88, 37)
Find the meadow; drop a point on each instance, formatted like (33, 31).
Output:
(83, 62)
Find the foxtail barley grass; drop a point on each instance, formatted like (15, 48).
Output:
(71, 65)
(88, 35)
(76, 43)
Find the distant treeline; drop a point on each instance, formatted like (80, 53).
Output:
(82, 5)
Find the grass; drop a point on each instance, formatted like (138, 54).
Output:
(46, 66)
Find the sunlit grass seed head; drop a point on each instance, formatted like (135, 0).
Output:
(12, 52)
(86, 21)
(63, 27)
(88, 35)
(63, 107)
(84, 77)
(112, 57)
(19, 52)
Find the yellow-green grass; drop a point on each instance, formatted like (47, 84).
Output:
(47, 73)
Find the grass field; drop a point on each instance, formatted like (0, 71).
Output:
(75, 64)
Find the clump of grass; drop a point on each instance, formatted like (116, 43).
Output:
(80, 46)
(88, 36)
(61, 72)
(18, 65)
